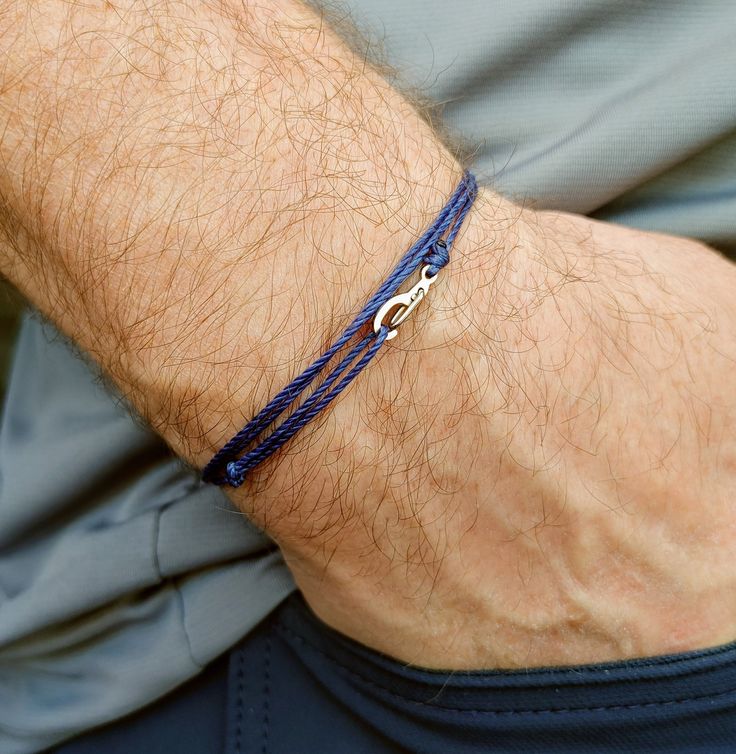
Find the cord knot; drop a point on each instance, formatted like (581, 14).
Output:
(437, 256)
(233, 475)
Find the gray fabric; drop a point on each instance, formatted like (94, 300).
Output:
(625, 110)
(121, 575)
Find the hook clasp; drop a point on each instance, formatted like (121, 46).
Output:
(403, 304)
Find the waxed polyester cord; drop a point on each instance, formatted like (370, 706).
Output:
(225, 467)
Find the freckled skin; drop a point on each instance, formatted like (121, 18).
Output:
(540, 469)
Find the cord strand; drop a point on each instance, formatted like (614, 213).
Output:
(431, 248)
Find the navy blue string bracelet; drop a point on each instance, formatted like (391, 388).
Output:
(432, 252)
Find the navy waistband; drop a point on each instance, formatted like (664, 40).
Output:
(295, 686)
(300, 686)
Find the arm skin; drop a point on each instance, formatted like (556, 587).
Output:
(540, 469)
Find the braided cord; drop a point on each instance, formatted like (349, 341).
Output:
(431, 249)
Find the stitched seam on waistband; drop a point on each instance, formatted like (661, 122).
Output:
(239, 714)
(266, 720)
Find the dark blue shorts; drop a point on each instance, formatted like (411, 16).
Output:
(294, 685)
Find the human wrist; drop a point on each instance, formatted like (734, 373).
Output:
(422, 377)
(440, 332)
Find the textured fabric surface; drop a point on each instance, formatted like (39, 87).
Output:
(121, 575)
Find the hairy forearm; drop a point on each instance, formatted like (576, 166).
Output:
(202, 194)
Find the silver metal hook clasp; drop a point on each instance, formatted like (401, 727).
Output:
(403, 304)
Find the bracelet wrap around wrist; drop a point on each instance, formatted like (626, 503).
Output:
(385, 309)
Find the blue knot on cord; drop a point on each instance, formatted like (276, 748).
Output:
(228, 466)
(438, 257)
(233, 475)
